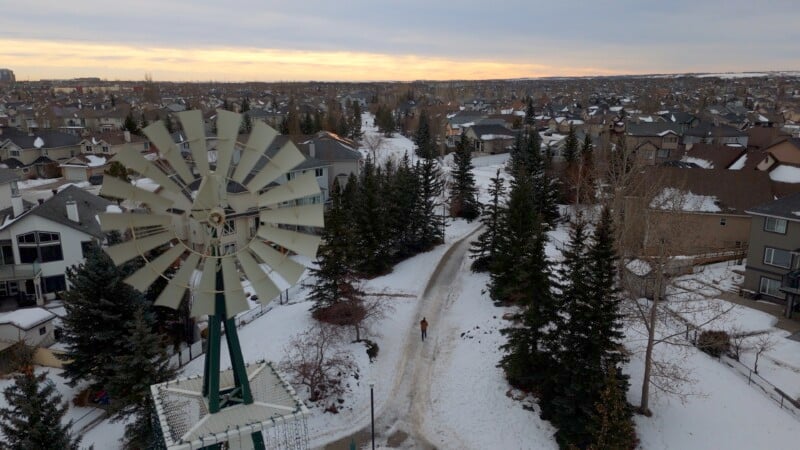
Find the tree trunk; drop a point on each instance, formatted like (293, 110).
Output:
(644, 405)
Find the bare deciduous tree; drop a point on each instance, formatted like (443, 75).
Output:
(315, 360)
(373, 142)
(764, 343)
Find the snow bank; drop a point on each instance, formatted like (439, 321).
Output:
(675, 199)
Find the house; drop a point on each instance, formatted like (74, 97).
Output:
(652, 142)
(701, 211)
(490, 138)
(38, 244)
(111, 142)
(339, 153)
(83, 167)
(715, 134)
(36, 154)
(774, 250)
(782, 162)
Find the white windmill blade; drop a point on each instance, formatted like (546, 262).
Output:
(172, 294)
(287, 268)
(119, 221)
(235, 302)
(228, 124)
(260, 139)
(259, 279)
(146, 275)
(128, 250)
(157, 134)
(132, 159)
(303, 186)
(305, 215)
(207, 196)
(204, 295)
(192, 122)
(300, 243)
(114, 187)
(287, 158)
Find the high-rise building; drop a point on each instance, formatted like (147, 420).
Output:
(7, 76)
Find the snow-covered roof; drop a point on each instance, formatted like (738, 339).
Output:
(704, 163)
(676, 199)
(739, 163)
(26, 318)
(785, 174)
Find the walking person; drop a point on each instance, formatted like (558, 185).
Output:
(423, 326)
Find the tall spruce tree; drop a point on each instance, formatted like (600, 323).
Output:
(355, 122)
(571, 147)
(370, 220)
(485, 247)
(402, 192)
(99, 308)
(613, 426)
(429, 216)
(463, 192)
(334, 273)
(143, 363)
(130, 123)
(423, 138)
(530, 114)
(33, 415)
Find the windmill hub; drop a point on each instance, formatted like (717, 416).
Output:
(216, 217)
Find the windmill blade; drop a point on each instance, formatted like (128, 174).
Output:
(288, 269)
(207, 197)
(260, 139)
(305, 215)
(172, 294)
(136, 247)
(300, 243)
(134, 160)
(119, 221)
(235, 302)
(303, 186)
(145, 276)
(260, 281)
(114, 187)
(192, 122)
(285, 160)
(228, 124)
(157, 134)
(204, 296)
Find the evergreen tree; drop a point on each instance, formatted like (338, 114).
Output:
(587, 181)
(143, 362)
(402, 194)
(368, 215)
(307, 125)
(484, 248)
(355, 122)
(225, 105)
(245, 105)
(571, 147)
(283, 128)
(423, 139)
(247, 124)
(130, 123)
(613, 425)
(143, 122)
(99, 307)
(463, 193)
(33, 416)
(530, 114)
(334, 274)
(384, 119)
(430, 219)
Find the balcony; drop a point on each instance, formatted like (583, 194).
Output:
(17, 272)
(790, 282)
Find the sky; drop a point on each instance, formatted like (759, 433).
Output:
(363, 40)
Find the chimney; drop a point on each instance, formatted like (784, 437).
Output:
(127, 136)
(72, 210)
(16, 205)
(312, 151)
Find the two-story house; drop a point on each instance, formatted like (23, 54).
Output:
(774, 249)
(36, 154)
(652, 142)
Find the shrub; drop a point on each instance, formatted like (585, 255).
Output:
(372, 349)
(714, 342)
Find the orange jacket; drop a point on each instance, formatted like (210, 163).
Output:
(423, 325)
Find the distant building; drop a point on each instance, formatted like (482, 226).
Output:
(7, 76)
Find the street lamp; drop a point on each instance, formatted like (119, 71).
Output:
(372, 409)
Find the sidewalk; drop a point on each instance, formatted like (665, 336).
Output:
(790, 325)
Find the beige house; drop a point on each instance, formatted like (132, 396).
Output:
(652, 142)
(36, 154)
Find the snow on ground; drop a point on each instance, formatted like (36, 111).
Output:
(34, 183)
(391, 148)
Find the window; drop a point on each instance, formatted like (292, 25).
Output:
(14, 152)
(146, 145)
(777, 257)
(25, 170)
(723, 221)
(39, 245)
(290, 176)
(85, 246)
(105, 149)
(770, 287)
(56, 283)
(774, 225)
(14, 188)
(42, 331)
(318, 172)
(663, 153)
(88, 149)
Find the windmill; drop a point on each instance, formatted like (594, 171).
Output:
(191, 216)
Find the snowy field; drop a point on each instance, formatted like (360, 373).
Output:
(467, 394)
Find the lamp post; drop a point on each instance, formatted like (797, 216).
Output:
(372, 409)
